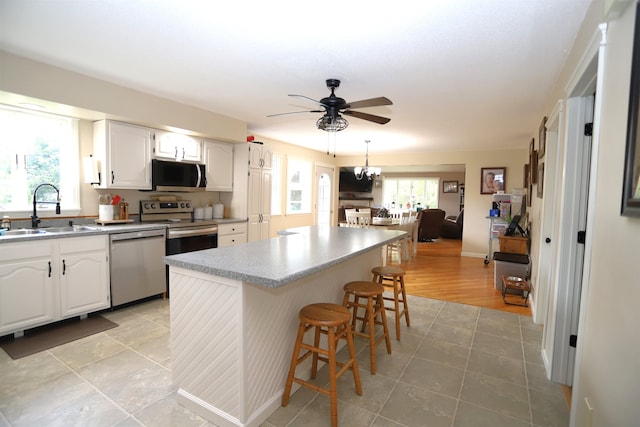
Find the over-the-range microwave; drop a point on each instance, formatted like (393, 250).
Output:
(177, 176)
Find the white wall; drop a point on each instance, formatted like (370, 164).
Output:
(607, 371)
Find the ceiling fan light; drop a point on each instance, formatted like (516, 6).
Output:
(332, 124)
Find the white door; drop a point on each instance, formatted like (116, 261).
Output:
(324, 187)
(566, 276)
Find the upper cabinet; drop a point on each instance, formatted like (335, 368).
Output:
(175, 146)
(260, 156)
(124, 155)
(218, 157)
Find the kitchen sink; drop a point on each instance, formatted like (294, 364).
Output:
(22, 232)
(47, 230)
(68, 229)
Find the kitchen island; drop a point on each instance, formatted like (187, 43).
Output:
(234, 313)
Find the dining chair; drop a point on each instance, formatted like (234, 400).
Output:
(351, 216)
(364, 219)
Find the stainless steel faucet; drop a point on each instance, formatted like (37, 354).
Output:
(34, 217)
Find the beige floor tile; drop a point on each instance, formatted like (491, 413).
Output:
(443, 352)
(26, 374)
(87, 350)
(414, 406)
(167, 412)
(497, 395)
(433, 376)
(140, 389)
(113, 368)
(65, 400)
(492, 365)
(469, 415)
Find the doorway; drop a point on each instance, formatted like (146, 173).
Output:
(324, 192)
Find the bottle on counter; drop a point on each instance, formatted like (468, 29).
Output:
(124, 210)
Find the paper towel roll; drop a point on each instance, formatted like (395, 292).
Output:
(218, 211)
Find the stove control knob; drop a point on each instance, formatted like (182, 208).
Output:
(146, 205)
(182, 205)
(188, 205)
(153, 205)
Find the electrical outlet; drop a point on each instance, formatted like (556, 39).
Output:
(588, 416)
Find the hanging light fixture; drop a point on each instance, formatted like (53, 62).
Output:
(334, 123)
(369, 172)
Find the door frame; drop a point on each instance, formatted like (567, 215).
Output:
(331, 171)
(564, 311)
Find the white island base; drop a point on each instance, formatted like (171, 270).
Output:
(231, 341)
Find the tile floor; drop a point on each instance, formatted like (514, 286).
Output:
(457, 365)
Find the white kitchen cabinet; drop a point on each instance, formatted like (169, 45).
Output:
(84, 275)
(175, 146)
(232, 234)
(260, 156)
(218, 158)
(124, 155)
(43, 281)
(259, 204)
(27, 297)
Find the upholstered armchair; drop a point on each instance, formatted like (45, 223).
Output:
(430, 224)
(452, 227)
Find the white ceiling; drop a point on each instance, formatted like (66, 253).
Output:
(462, 74)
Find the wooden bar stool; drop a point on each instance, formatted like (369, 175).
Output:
(373, 308)
(393, 277)
(334, 321)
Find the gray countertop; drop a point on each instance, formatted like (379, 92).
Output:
(99, 229)
(297, 253)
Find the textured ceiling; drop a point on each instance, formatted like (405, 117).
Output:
(462, 75)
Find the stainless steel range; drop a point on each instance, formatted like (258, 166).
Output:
(184, 234)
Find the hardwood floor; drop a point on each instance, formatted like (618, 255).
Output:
(439, 272)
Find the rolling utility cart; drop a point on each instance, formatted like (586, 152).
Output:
(497, 225)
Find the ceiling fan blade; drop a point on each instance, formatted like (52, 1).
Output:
(373, 102)
(296, 112)
(365, 116)
(309, 99)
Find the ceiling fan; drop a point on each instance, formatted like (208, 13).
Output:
(333, 106)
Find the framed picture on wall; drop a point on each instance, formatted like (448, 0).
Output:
(449, 186)
(540, 180)
(533, 162)
(493, 180)
(542, 137)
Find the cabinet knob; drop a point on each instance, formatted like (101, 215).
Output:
(547, 240)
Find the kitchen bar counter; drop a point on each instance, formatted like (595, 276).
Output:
(275, 262)
(234, 314)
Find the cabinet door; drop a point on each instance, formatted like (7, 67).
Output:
(129, 157)
(175, 146)
(84, 275)
(192, 149)
(219, 161)
(259, 204)
(26, 295)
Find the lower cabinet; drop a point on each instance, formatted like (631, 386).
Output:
(52, 279)
(232, 234)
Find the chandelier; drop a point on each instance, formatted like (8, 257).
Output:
(332, 123)
(369, 172)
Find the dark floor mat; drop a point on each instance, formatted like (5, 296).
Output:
(49, 336)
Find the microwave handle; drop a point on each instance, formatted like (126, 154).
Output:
(199, 175)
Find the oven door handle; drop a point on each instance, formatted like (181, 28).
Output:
(176, 234)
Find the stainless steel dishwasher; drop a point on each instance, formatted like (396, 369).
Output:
(137, 266)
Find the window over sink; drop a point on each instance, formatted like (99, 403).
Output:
(37, 147)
